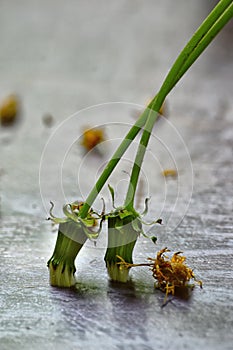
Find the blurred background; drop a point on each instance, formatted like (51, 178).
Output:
(59, 58)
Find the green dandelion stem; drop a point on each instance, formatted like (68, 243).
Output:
(70, 239)
(210, 27)
(113, 162)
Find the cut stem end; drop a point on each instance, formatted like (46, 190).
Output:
(61, 275)
(117, 273)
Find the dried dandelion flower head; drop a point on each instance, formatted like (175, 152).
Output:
(171, 273)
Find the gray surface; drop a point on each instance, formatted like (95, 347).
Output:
(61, 58)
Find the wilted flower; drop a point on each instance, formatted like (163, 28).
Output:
(170, 274)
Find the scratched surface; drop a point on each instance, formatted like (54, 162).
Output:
(61, 58)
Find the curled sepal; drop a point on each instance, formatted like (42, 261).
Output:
(145, 211)
(55, 219)
(158, 221)
(91, 234)
(112, 192)
(70, 213)
(137, 225)
(88, 224)
(154, 239)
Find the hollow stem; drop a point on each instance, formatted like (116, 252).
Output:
(122, 236)
(70, 240)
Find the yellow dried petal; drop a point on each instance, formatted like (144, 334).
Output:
(9, 109)
(92, 137)
(169, 172)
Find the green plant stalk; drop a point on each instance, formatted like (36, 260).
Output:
(187, 57)
(70, 240)
(221, 20)
(221, 14)
(113, 162)
(122, 236)
(223, 10)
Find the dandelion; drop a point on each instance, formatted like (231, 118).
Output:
(124, 223)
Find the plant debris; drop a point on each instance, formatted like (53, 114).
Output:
(169, 173)
(48, 120)
(171, 274)
(9, 110)
(92, 137)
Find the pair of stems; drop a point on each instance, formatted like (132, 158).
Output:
(211, 26)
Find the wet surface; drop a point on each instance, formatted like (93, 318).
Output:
(62, 58)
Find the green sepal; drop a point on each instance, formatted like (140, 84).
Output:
(137, 225)
(154, 239)
(112, 192)
(145, 211)
(124, 214)
(87, 224)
